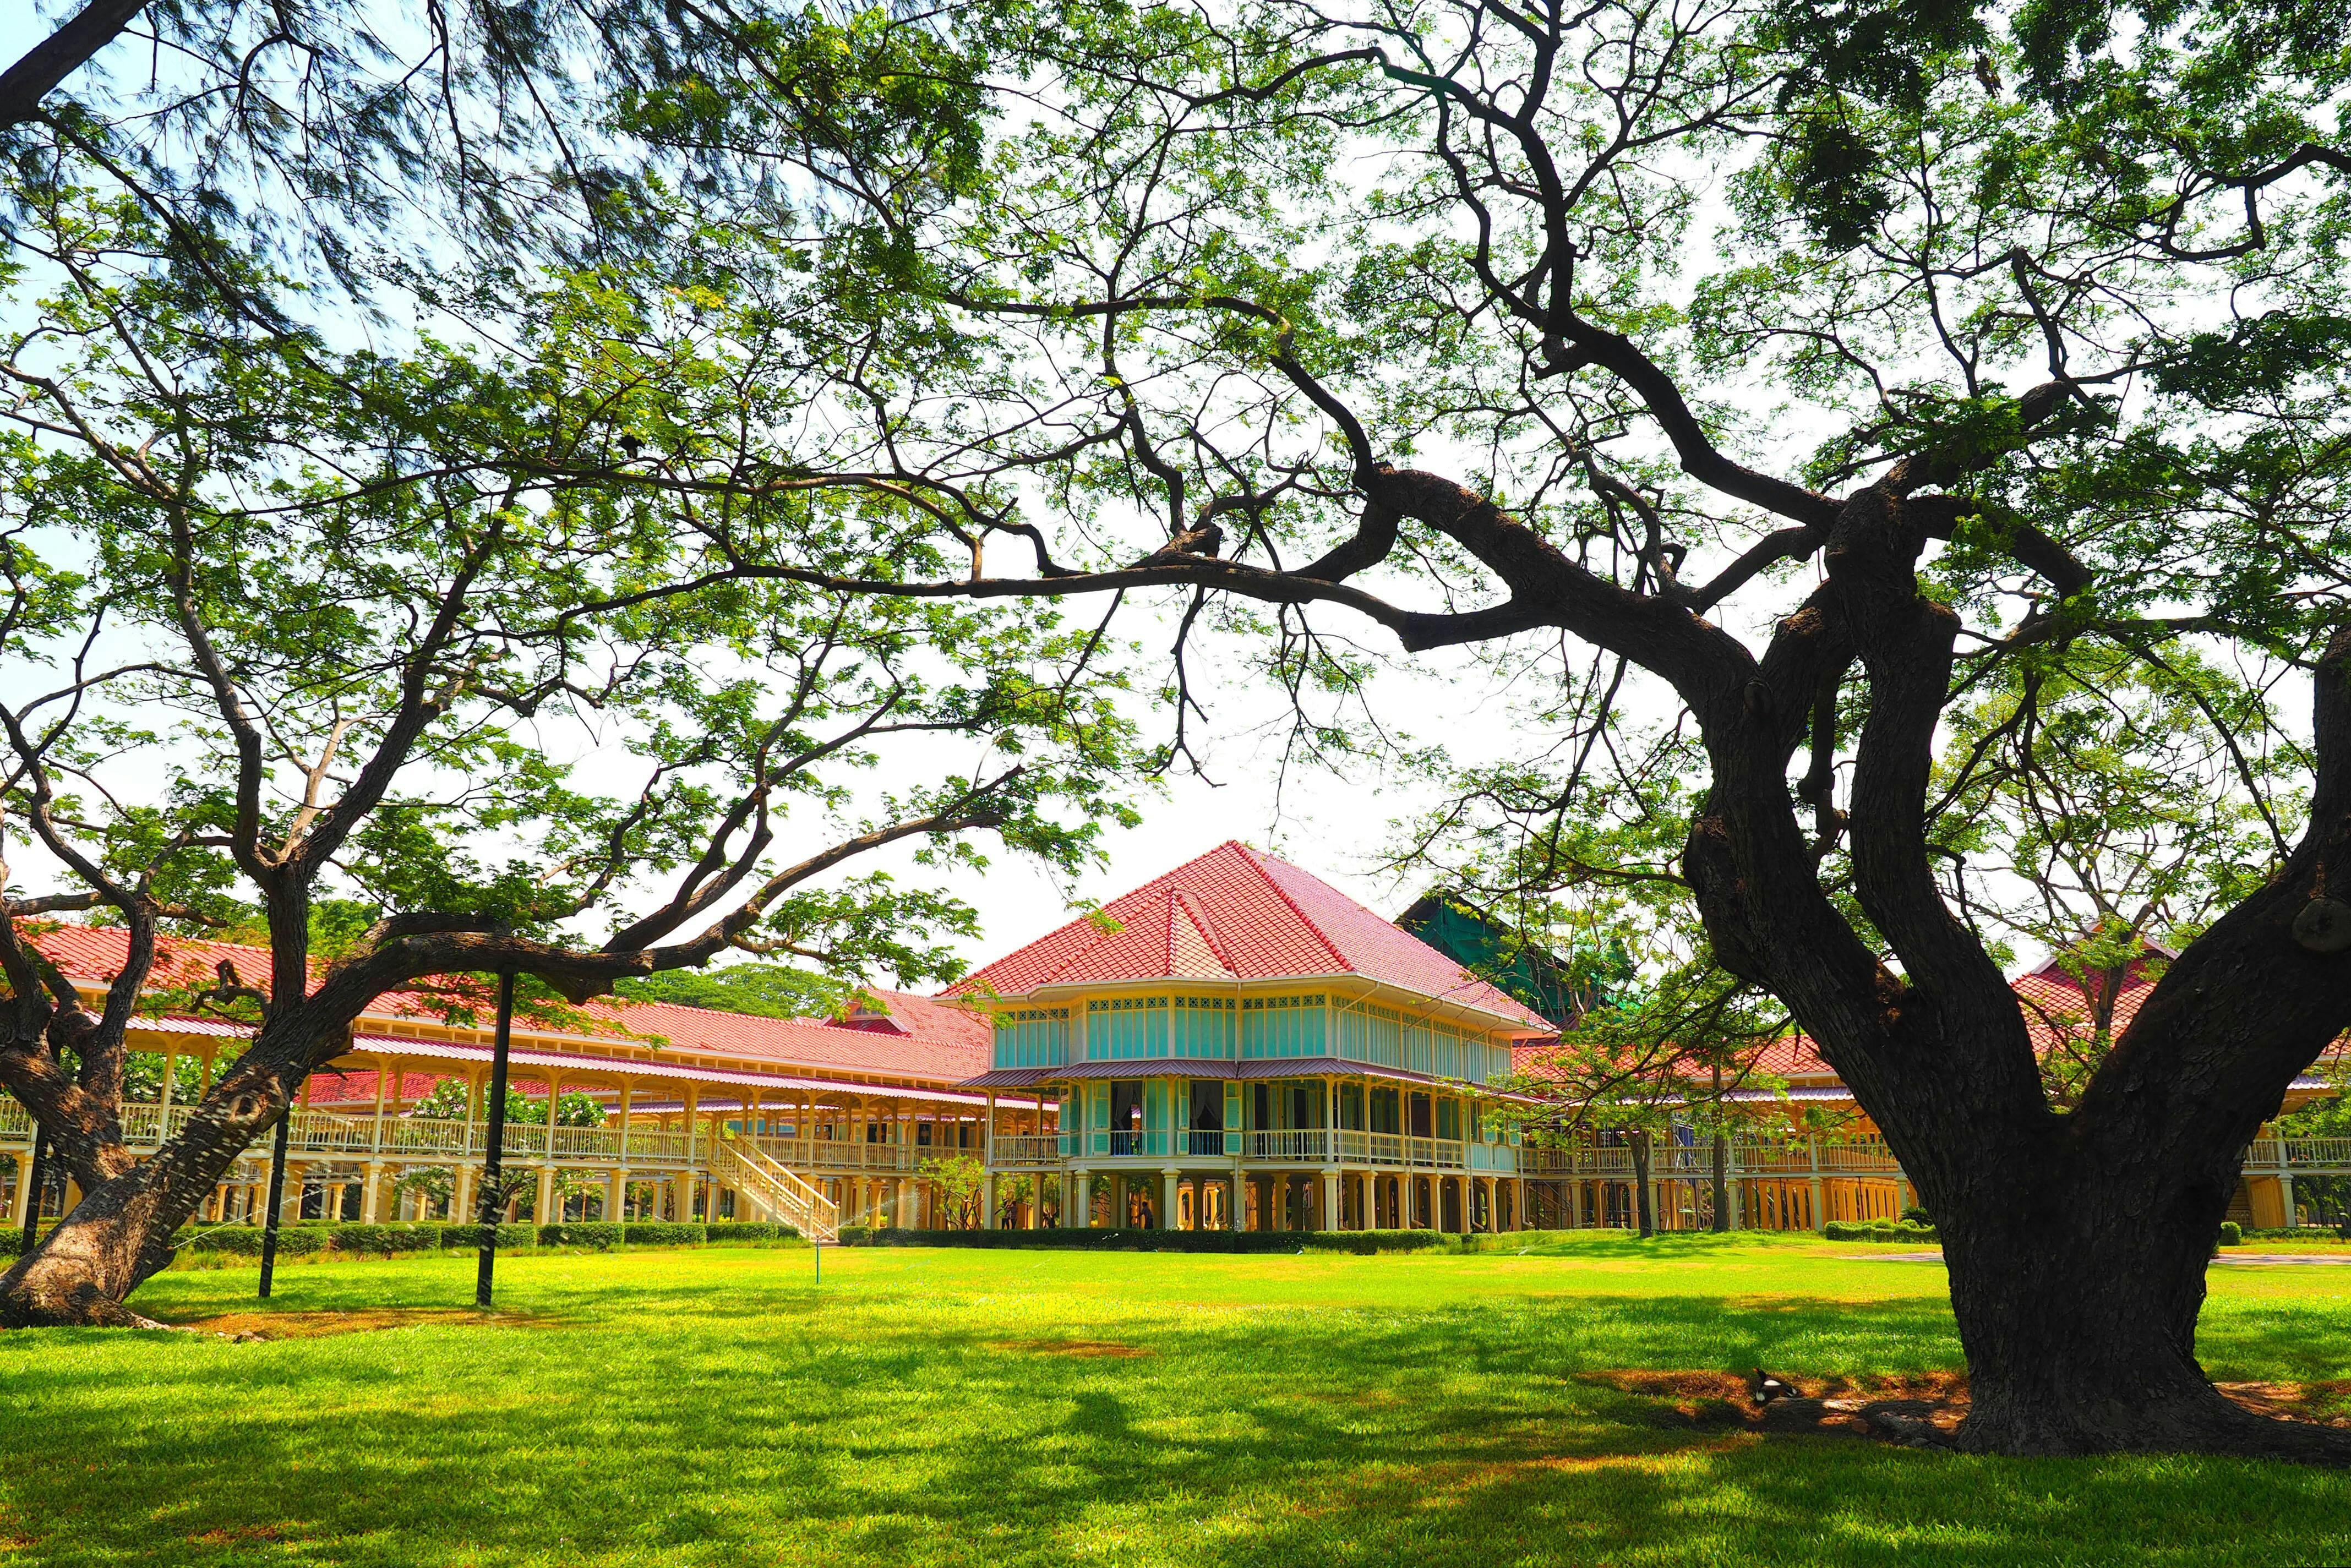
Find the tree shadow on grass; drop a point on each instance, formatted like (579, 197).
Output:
(761, 1424)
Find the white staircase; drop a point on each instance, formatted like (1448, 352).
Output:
(774, 1189)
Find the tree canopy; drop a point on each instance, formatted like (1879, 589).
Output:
(1868, 442)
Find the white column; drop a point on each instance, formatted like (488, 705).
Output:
(688, 1125)
(621, 1171)
(1330, 1215)
(375, 1133)
(1168, 1177)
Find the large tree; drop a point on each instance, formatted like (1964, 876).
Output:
(288, 632)
(1776, 377)
(295, 629)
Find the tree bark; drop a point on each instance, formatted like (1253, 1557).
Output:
(119, 1234)
(1642, 1208)
(62, 53)
(2078, 1318)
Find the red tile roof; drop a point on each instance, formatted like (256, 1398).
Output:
(957, 1050)
(95, 954)
(1791, 1057)
(1237, 912)
(916, 1037)
(2054, 1002)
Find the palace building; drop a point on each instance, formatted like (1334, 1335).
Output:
(1236, 1045)
(1239, 1045)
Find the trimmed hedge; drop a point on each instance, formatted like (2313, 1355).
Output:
(1878, 1230)
(1366, 1241)
(2299, 1233)
(468, 1238)
(603, 1235)
(665, 1233)
(384, 1240)
(12, 1239)
(1086, 1240)
(725, 1230)
(2232, 1233)
(244, 1240)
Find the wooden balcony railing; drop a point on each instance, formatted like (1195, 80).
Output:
(342, 1135)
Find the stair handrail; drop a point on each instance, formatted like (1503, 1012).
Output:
(817, 1213)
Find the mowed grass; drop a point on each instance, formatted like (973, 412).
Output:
(953, 1407)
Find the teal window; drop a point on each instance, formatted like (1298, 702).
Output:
(1204, 1026)
(1372, 1034)
(1275, 1027)
(1033, 1036)
(1126, 1029)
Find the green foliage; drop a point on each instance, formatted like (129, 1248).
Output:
(744, 1231)
(468, 1238)
(958, 1180)
(1904, 1229)
(2232, 1233)
(435, 1184)
(246, 1240)
(598, 1235)
(761, 990)
(387, 1240)
(384, 1241)
(1090, 1239)
(444, 573)
(1836, 183)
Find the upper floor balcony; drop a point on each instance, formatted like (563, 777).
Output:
(1306, 1146)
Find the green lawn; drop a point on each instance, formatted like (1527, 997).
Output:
(922, 1407)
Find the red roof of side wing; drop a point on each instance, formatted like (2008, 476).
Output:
(2055, 1003)
(1239, 914)
(919, 1037)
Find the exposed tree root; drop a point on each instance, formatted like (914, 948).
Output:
(1934, 1411)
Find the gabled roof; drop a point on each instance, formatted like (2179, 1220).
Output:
(1237, 913)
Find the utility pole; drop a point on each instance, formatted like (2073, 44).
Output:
(277, 1198)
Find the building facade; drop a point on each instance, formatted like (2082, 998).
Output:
(1236, 1045)
(690, 1112)
(1240, 1046)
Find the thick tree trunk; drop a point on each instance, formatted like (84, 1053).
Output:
(2079, 1324)
(120, 1232)
(81, 1273)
